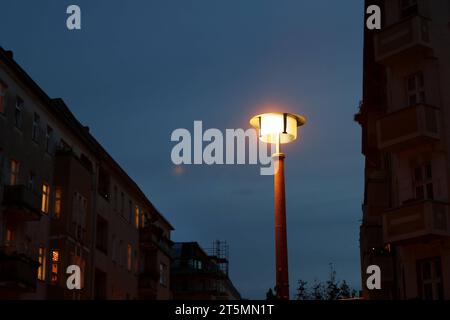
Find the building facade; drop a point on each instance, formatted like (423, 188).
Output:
(198, 275)
(66, 201)
(404, 115)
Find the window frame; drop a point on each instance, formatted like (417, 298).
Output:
(42, 259)
(3, 90)
(418, 92)
(18, 113)
(45, 198)
(35, 128)
(14, 172)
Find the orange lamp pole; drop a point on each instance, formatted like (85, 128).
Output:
(281, 253)
(278, 128)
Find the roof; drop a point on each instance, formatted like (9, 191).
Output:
(61, 111)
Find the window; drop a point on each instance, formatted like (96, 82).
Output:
(143, 219)
(430, 279)
(129, 257)
(3, 88)
(136, 216)
(104, 184)
(115, 198)
(42, 263)
(45, 197)
(122, 203)
(415, 89)
(58, 196)
(130, 211)
(2, 158)
(102, 235)
(14, 179)
(79, 214)
(121, 254)
(55, 266)
(423, 182)
(31, 178)
(35, 129)
(136, 262)
(162, 274)
(9, 236)
(114, 248)
(18, 113)
(48, 139)
(408, 8)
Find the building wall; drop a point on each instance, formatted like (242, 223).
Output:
(98, 224)
(405, 227)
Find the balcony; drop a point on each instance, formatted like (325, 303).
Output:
(408, 127)
(406, 38)
(18, 271)
(152, 237)
(148, 285)
(418, 221)
(21, 204)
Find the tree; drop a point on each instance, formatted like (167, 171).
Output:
(270, 295)
(332, 288)
(345, 291)
(302, 290)
(317, 290)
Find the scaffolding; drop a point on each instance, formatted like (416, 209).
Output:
(219, 253)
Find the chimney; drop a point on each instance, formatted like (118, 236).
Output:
(87, 128)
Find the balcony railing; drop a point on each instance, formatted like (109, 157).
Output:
(21, 203)
(417, 221)
(18, 269)
(403, 38)
(408, 127)
(152, 236)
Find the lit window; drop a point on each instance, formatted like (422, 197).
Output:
(45, 197)
(42, 263)
(18, 113)
(9, 236)
(48, 139)
(136, 216)
(58, 195)
(129, 257)
(14, 172)
(35, 129)
(55, 266)
(3, 88)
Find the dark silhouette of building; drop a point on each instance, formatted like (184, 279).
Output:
(66, 201)
(197, 275)
(404, 117)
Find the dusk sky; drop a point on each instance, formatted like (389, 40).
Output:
(137, 70)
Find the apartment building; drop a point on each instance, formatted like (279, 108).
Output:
(405, 120)
(66, 201)
(200, 275)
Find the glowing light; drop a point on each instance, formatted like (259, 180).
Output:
(277, 126)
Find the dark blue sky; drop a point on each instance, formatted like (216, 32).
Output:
(140, 69)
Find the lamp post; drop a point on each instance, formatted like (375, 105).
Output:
(279, 128)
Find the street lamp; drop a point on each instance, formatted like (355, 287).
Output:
(279, 128)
